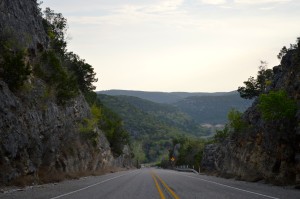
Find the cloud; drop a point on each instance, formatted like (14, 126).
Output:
(166, 5)
(213, 2)
(160, 12)
(267, 8)
(260, 1)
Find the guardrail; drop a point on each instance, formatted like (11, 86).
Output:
(186, 170)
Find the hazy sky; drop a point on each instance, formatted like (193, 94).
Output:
(178, 45)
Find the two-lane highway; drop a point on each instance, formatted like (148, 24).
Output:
(154, 183)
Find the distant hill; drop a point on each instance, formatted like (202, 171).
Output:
(143, 116)
(161, 97)
(212, 109)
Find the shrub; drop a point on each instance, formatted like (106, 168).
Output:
(221, 134)
(87, 129)
(276, 105)
(53, 72)
(14, 68)
(236, 121)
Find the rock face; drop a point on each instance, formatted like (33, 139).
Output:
(23, 16)
(38, 136)
(267, 151)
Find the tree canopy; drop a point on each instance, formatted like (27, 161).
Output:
(255, 86)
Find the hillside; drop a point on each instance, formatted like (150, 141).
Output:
(137, 113)
(152, 123)
(203, 108)
(212, 109)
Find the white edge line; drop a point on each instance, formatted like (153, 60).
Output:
(72, 192)
(229, 186)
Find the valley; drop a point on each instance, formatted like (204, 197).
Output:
(155, 124)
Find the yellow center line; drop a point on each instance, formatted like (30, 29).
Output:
(167, 187)
(154, 176)
(158, 188)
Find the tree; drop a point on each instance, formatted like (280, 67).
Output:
(276, 105)
(56, 26)
(84, 72)
(235, 121)
(254, 87)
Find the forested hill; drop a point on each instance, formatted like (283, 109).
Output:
(144, 117)
(162, 97)
(154, 125)
(151, 125)
(211, 108)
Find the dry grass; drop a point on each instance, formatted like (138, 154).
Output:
(44, 176)
(23, 181)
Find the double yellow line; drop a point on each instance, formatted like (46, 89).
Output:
(157, 179)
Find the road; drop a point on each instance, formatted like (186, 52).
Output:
(154, 183)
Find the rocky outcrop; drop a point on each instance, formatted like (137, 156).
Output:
(23, 16)
(267, 150)
(37, 135)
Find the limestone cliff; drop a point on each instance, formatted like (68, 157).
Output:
(21, 20)
(38, 136)
(267, 150)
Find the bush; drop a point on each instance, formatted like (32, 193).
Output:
(14, 68)
(115, 133)
(276, 105)
(221, 134)
(87, 129)
(236, 122)
(63, 82)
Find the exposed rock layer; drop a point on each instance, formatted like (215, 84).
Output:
(20, 19)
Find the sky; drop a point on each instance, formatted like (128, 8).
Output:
(178, 45)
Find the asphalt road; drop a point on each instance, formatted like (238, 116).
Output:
(154, 183)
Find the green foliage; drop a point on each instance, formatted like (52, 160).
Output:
(152, 124)
(14, 70)
(96, 112)
(79, 72)
(56, 75)
(235, 121)
(276, 105)
(221, 134)
(87, 128)
(56, 26)
(254, 87)
(110, 123)
(84, 72)
(139, 154)
(185, 151)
